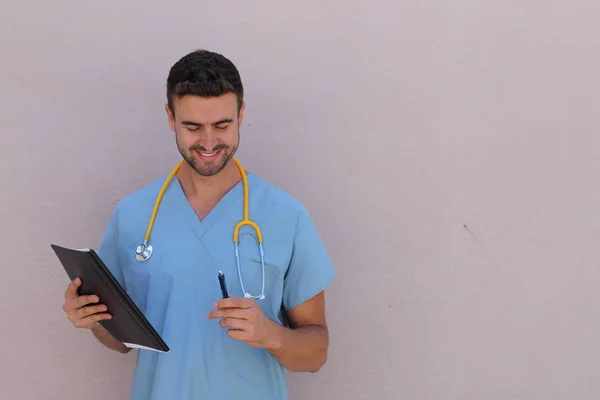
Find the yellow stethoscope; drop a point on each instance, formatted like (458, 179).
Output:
(144, 250)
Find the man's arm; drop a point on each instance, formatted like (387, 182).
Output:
(303, 347)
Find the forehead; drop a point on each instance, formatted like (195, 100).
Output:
(205, 109)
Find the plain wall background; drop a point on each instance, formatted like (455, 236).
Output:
(397, 123)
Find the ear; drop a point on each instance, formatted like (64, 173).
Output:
(170, 117)
(241, 113)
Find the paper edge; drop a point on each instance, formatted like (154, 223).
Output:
(137, 346)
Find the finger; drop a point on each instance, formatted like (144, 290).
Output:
(235, 323)
(71, 291)
(85, 322)
(89, 310)
(83, 301)
(235, 302)
(79, 302)
(238, 334)
(242, 313)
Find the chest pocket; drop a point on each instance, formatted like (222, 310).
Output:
(251, 268)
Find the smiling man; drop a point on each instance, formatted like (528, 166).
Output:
(274, 317)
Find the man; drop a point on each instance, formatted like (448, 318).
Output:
(220, 348)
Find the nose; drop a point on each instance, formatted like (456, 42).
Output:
(207, 139)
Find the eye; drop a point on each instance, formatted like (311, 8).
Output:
(192, 128)
(222, 127)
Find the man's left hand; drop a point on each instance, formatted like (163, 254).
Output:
(246, 322)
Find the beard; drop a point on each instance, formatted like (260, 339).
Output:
(203, 168)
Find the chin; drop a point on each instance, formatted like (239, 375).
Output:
(209, 168)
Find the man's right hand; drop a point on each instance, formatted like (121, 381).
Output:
(83, 311)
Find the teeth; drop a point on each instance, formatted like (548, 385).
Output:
(208, 154)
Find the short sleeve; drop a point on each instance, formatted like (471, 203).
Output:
(109, 248)
(310, 270)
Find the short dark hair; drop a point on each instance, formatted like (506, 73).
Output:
(203, 73)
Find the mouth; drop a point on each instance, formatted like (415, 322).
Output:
(206, 156)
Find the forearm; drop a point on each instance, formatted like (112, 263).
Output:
(107, 340)
(301, 350)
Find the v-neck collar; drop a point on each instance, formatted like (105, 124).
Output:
(201, 226)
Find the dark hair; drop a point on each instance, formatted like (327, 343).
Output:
(203, 73)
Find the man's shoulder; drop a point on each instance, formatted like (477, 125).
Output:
(274, 199)
(142, 197)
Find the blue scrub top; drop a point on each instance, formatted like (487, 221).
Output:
(178, 285)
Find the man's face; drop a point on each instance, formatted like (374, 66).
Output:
(206, 130)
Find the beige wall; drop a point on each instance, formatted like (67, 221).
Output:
(397, 123)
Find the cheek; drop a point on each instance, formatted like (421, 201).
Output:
(185, 137)
(231, 137)
(184, 141)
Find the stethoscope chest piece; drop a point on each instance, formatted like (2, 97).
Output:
(143, 252)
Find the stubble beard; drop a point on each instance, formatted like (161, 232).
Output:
(202, 168)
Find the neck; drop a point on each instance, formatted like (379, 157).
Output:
(208, 188)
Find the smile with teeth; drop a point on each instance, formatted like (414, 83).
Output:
(206, 155)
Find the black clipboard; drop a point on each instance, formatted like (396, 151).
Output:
(128, 324)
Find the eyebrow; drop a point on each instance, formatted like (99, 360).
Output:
(219, 122)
